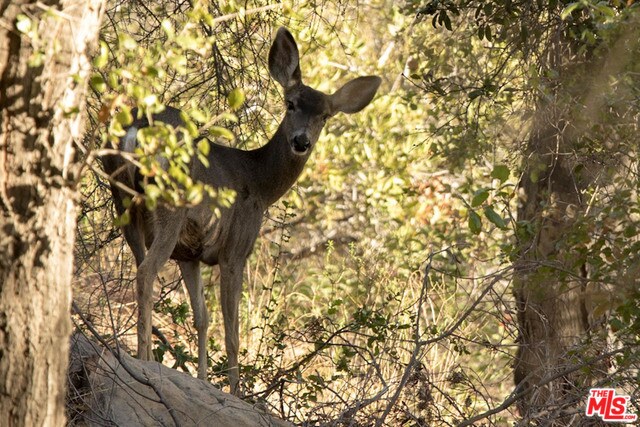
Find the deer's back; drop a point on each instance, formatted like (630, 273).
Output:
(203, 235)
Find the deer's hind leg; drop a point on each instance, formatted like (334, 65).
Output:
(134, 235)
(193, 280)
(133, 231)
(230, 293)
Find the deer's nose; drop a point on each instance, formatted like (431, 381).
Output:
(301, 143)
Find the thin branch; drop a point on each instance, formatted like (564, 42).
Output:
(417, 348)
(519, 394)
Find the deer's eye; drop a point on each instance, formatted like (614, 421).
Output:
(290, 106)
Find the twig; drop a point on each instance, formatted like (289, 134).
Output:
(519, 394)
(417, 348)
(464, 316)
(277, 381)
(243, 13)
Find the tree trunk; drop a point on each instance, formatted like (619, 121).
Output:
(43, 70)
(562, 341)
(552, 312)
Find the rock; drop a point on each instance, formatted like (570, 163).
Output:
(131, 392)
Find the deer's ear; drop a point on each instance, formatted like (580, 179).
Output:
(355, 95)
(284, 59)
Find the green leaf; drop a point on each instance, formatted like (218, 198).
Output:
(534, 175)
(126, 42)
(36, 59)
(630, 231)
(494, 217)
(97, 82)
(123, 219)
(71, 112)
(152, 191)
(475, 93)
(194, 194)
(192, 128)
(204, 160)
(500, 172)
(228, 116)
(475, 222)
(236, 98)
(204, 147)
(124, 117)
(151, 71)
(479, 197)
(178, 63)
(617, 324)
(101, 60)
(198, 116)
(185, 157)
(168, 27)
(112, 78)
(158, 353)
(605, 10)
(222, 132)
(570, 8)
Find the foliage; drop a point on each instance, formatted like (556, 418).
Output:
(575, 63)
(380, 287)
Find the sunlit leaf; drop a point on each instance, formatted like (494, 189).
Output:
(204, 146)
(97, 83)
(123, 219)
(152, 191)
(124, 117)
(23, 23)
(222, 132)
(102, 58)
(569, 9)
(236, 98)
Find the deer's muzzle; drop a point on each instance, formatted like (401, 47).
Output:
(301, 143)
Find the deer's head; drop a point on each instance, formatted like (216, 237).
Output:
(307, 108)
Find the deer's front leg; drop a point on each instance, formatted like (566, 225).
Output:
(230, 292)
(163, 244)
(144, 297)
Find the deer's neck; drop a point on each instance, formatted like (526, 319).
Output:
(276, 168)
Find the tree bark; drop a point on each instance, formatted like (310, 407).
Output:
(43, 72)
(552, 313)
(559, 331)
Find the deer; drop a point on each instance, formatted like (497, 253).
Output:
(193, 235)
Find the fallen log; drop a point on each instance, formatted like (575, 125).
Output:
(123, 391)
